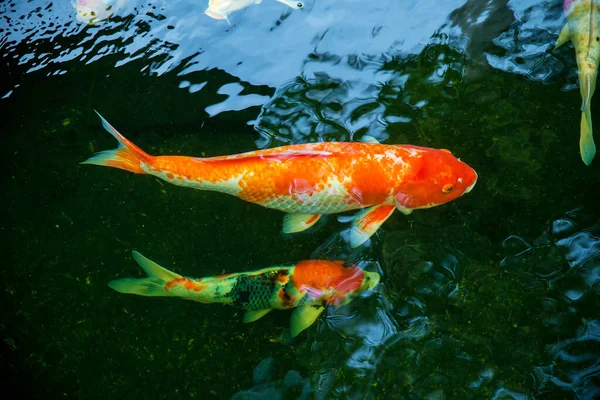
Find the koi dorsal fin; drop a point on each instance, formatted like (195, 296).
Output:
(280, 156)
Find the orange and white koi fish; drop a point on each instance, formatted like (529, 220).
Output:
(583, 28)
(95, 11)
(220, 9)
(309, 180)
(309, 287)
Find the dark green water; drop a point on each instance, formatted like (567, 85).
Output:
(496, 295)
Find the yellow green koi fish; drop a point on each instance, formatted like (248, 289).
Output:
(583, 28)
(309, 287)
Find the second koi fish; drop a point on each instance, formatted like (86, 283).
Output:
(309, 180)
(308, 287)
(583, 29)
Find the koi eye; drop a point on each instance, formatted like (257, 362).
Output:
(448, 187)
(299, 4)
(93, 13)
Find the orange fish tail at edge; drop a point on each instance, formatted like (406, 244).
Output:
(127, 156)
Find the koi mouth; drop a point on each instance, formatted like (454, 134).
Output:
(467, 190)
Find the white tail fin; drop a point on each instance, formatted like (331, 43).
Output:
(153, 285)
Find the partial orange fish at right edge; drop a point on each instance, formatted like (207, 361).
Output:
(583, 29)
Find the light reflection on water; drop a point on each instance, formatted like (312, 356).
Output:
(269, 44)
(456, 315)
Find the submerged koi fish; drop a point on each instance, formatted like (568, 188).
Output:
(309, 180)
(94, 11)
(309, 287)
(220, 9)
(583, 28)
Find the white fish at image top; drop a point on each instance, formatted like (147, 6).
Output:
(94, 11)
(220, 9)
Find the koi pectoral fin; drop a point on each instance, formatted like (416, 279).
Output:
(563, 37)
(303, 317)
(252, 316)
(367, 221)
(293, 223)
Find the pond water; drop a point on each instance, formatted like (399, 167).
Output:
(493, 296)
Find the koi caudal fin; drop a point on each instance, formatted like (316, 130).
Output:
(586, 138)
(127, 156)
(153, 285)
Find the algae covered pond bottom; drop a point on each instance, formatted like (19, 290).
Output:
(495, 295)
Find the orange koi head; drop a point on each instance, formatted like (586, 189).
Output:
(331, 282)
(436, 177)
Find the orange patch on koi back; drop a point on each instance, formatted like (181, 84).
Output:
(175, 282)
(374, 185)
(370, 186)
(283, 279)
(187, 283)
(286, 299)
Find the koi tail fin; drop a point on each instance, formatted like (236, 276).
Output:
(127, 156)
(153, 285)
(586, 138)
